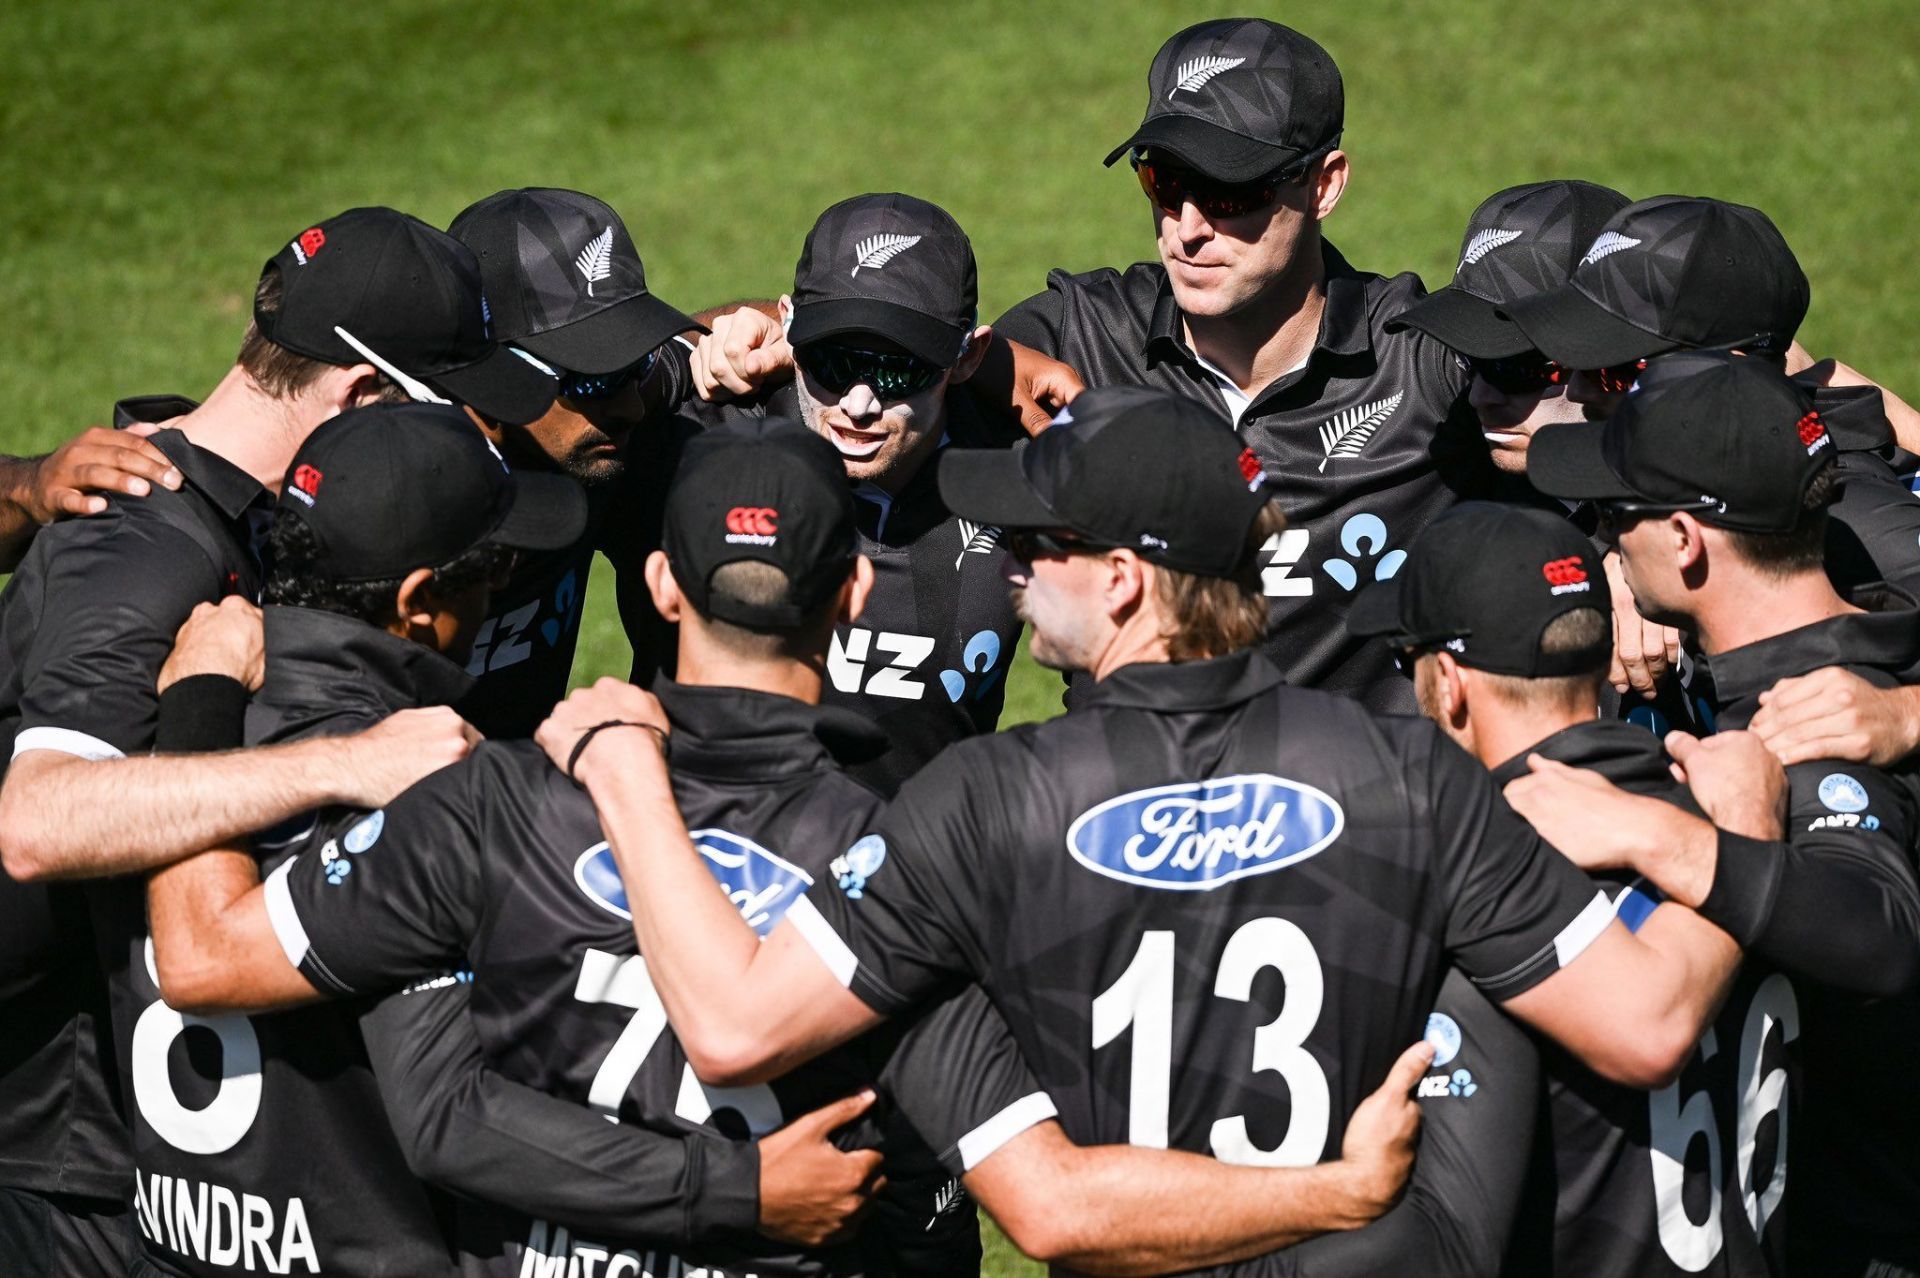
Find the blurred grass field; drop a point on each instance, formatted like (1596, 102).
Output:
(152, 156)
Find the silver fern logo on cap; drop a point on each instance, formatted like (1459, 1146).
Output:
(596, 259)
(876, 251)
(1609, 243)
(1195, 72)
(1346, 433)
(1484, 243)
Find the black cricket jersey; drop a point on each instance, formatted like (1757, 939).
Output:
(928, 659)
(523, 652)
(1873, 528)
(499, 863)
(1690, 1178)
(1363, 445)
(1855, 1145)
(86, 622)
(1212, 908)
(263, 1146)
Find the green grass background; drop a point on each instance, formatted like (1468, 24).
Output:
(152, 156)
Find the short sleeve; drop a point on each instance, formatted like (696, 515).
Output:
(371, 903)
(959, 1079)
(1035, 322)
(113, 598)
(1517, 911)
(901, 912)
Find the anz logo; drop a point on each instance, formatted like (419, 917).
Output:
(507, 640)
(1364, 538)
(883, 664)
(761, 885)
(1196, 836)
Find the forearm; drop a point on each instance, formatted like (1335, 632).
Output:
(17, 523)
(65, 817)
(468, 1129)
(1845, 915)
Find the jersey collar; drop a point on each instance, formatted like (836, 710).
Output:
(1171, 687)
(1886, 637)
(1624, 753)
(739, 734)
(1344, 326)
(230, 489)
(322, 665)
(1856, 416)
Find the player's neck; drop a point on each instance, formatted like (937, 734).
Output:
(1502, 735)
(1140, 640)
(704, 666)
(1271, 335)
(244, 425)
(1764, 608)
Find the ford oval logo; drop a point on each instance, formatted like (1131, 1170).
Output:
(1196, 836)
(760, 884)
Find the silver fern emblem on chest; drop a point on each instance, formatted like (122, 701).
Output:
(1484, 243)
(951, 1195)
(1195, 72)
(975, 539)
(596, 259)
(1346, 433)
(876, 251)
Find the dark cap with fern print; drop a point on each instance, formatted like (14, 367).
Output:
(889, 267)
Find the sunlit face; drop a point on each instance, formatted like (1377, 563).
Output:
(1647, 563)
(1508, 419)
(585, 437)
(879, 441)
(1220, 267)
(1057, 596)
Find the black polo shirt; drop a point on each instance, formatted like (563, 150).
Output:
(1364, 444)
(85, 624)
(927, 661)
(1856, 1144)
(1873, 529)
(1127, 882)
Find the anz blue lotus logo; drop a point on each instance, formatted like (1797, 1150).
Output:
(1196, 836)
(760, 884)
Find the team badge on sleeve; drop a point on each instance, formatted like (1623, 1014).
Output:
(859, 863)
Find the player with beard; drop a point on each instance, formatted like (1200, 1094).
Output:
(881, 326)
(1500, 616)
(365, 306)
(1215, 820)
(510, 843)
(1365, 432)
(1713, 477)
(566, 285)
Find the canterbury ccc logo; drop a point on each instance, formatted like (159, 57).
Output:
(1566, 576)
(306, 484)
(310, 242)
(753, 525)
(1251, 470)
(1813, 433)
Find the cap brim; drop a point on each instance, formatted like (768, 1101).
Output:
(1565, 460)
(920, 334)
(500, 385)
(1471, 325)
(1376, 611)
(610, 340)
(1574, 331)
(1207, 148)
(989, 486)
(549, 512)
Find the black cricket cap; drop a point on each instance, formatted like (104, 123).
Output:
(374, 286)
(768, 490)
(891, 266)
(1520, 242)
(1122, 466)
(1484, 581)
(1699, 426)
(565, 280)
(390, 488)
(1670, 273)
(1239, 98)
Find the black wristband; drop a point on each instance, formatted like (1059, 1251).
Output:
(201, 713)
(580, 746)
(1746, 879)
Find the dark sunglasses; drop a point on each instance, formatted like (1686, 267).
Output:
(890, 374)
(1617, 379)
(602, 385)
(1615, 515)
(1169, 186)
(1407, 654)
(1029, 544)
(1526, 374)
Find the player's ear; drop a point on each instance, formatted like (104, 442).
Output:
(785, 307)
(1451, 683)
(415, 605)
(1329, 182)
(1689, 544)
(667, 600)
(1127, 583)
(853, 595)
(970, 356)
(355, 386)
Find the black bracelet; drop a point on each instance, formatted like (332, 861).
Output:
(201, 713)
(580, 746)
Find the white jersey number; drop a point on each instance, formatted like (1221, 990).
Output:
(1143, 998)
(217, 1126)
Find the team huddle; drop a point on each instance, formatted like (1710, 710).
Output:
(1481, 838)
